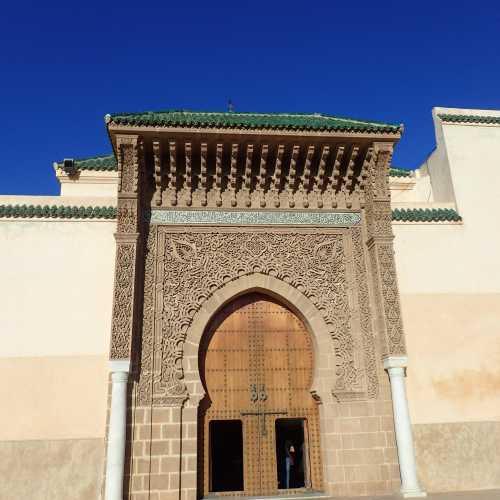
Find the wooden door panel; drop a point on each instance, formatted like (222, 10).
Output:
(257, 362)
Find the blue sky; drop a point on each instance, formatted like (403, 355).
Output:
(65, 65)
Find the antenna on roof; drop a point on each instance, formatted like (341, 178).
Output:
(230, 107)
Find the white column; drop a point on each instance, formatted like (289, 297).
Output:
(395, 366)
(115, 459)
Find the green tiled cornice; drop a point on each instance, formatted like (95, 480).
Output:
(495, 120)
(96, 163)
(273, 121)
(399, 172)
(425, 215)
(56, 212)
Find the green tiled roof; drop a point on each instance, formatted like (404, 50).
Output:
(57, 212)
(425, 215)
(96, 163)
(399, 172)
(274, 121)
(469, 119)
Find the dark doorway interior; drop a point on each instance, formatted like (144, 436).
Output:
(226, 455)
(291, 453)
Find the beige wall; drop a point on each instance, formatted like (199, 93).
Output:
(88, 183)
(55, 324)
(454, 349)
(68, 469)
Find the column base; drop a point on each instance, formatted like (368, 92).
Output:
(413, 494)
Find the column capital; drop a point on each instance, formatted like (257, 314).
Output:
(119, 365)
(395, 362)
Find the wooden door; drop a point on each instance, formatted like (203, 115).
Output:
(257, 365)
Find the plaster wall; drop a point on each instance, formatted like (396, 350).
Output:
(56, 298)
(88, 183)
(60, 287)
(411, 190)
(55, 324)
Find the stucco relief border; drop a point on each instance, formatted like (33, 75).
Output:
(270, 217)
(165, 385)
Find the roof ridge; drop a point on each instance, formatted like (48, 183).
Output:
(257, 113)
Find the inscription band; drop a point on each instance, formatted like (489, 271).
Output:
(254, 218)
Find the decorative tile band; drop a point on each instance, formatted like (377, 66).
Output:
(56, 212)
(255, 218)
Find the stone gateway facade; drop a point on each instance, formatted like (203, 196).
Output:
(247, 340)
(211, 213)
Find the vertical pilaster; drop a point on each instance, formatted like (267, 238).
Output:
(127, 240)
(395, 366)
(125, 307)
(381, 252)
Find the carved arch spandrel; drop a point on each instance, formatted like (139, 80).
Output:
(184, 269)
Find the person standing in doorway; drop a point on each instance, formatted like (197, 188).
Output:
(289, 461)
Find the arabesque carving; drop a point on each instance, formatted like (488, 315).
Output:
(390, 294)
(183, 269)
(127, 216)
(128, 153)
(121, 332)
(129, 164)
(364, 313)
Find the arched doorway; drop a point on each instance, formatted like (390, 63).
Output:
(260, 423)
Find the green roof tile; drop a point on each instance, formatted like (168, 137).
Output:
(425, 215)
(97, 163)
(400, 172)
(56, 212)
(469, 119)
(274, 121)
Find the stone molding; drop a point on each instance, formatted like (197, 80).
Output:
(395, 362)
(119, 365)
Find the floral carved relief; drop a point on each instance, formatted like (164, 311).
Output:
(390, 294)
(183, 269)
(364, 312)
(381, 173)
(128, 165)
(123, 303)
(127, 215)
(382, 219)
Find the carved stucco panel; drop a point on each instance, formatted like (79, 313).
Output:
(183, 269)
(390, 294)
(127, 218)
(367, 336)
(123, 303)
(129, 161)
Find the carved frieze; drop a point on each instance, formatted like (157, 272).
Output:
(254, 217)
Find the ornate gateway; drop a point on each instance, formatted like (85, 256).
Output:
(255, 295)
